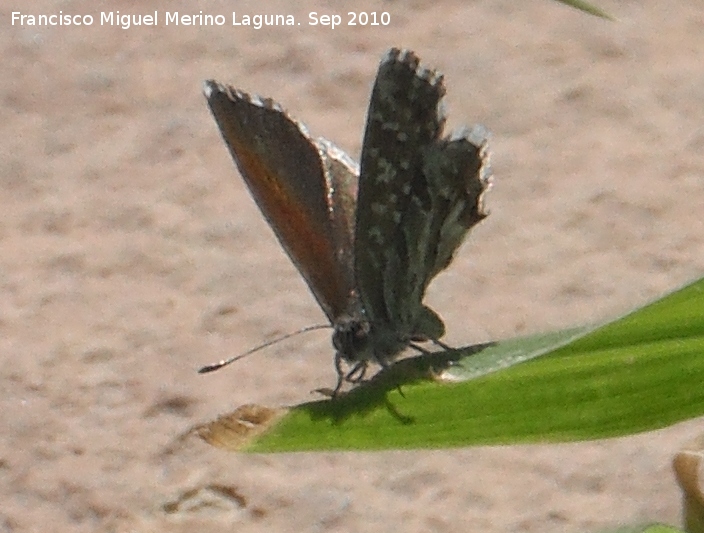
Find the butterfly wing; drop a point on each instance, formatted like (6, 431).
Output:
(419, 196)
(402, 121)
(305, 188)
(458, 173)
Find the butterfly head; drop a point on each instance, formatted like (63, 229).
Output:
(357, 340)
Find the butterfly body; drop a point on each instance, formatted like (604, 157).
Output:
(368, 240)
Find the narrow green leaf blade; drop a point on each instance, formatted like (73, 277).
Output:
(641, 372)
(587, 8)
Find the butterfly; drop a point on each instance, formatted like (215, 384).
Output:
(367, 239)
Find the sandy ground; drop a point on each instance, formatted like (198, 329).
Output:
(131, 254)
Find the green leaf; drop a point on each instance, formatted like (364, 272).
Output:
(638, 373)
(587, 8)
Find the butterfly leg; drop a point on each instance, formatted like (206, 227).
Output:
(442, 345)
(420, 348)
(340, 374)
(356, 375)
(442, 359)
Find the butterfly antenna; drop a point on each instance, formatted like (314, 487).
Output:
(225, 362)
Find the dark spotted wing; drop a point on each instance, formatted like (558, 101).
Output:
(458, 174)
(435, 223)
(305, 188)
(419, 195)
(402, 122)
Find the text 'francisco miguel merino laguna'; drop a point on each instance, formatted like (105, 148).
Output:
(125, 21)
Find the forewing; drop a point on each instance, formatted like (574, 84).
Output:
(402, 122)
(342, 177)
(292, 177)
